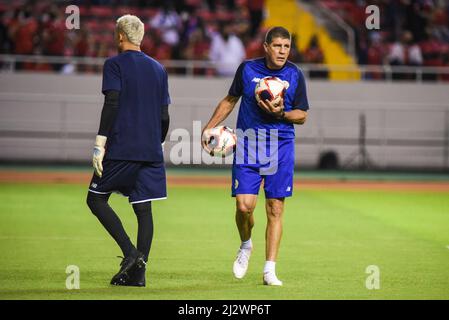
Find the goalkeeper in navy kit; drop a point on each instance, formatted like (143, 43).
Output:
(128, 156)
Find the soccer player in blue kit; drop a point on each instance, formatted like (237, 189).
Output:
(277, 121)
(128, 156)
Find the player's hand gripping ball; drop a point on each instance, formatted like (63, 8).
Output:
(220, 141)
(271, 89)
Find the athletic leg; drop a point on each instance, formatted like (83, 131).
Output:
(98, 204)
(150, 186)
(274, 209)
(244, 218)
(273, 234)
(278, 185)
(145, 227)
(144, 240)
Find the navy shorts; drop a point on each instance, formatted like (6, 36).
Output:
(140, 181)
(278, 180)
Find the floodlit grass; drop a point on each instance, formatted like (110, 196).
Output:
(330, 238)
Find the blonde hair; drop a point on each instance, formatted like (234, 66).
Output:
(132, 27)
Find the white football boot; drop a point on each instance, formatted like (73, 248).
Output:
(270, 279)
(241, 263)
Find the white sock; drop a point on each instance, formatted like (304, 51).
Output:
(248, 244)
(270, 266)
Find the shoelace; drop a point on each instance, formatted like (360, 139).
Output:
(242, 256)
(123, 259)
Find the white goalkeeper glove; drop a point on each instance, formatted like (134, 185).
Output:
(98, 154)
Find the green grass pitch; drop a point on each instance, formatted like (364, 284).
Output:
(330, 237)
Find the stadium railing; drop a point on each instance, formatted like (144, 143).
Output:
(9, 63)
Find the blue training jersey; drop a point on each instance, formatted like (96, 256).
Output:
(143, 85)
(251, 116)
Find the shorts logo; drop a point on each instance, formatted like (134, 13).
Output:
(236, 184)
(289, 189)
(94, 185)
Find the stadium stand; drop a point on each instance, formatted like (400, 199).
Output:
(413, 33)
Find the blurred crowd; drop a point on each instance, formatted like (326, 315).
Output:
(175, 30)
(227, 31)
(412, 33)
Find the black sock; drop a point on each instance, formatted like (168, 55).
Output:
(145, 227)
(98, 204)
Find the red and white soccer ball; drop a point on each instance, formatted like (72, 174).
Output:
(220, 141)
(271, 89)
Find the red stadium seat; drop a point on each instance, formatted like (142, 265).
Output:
(122, 10)
(147, 13)
(206, 15)
(225, 15)
(100, 11)
(241, 3)
(83, 11)
(193, 3)
(93, 26)
(109, 25)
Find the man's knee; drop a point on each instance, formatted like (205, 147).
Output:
(95, 201)
(275, 209)
(142, 209)
(245, 207)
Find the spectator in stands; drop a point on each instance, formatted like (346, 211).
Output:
(190, 24)
(404, 53)
(314, 54)
(242, 25)
(376, 53)
(396, 57)
(229, 4)
(154, 46)
(28, 32)
(414, 54)
(295, 53)
(83, 44)
(440, 23)
(22, 31)
(431, 49)
(168, 22)
(417, 16)
(254, 47)
(198, 48)
(226, 50)
(54, 33)
(5, 41)
(256, 9)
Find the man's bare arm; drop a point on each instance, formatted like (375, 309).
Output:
(295, 116)
(222, 111)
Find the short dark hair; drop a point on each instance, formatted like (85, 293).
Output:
(277, 32)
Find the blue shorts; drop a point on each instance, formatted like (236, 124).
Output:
(140, 181)
(277, 175)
